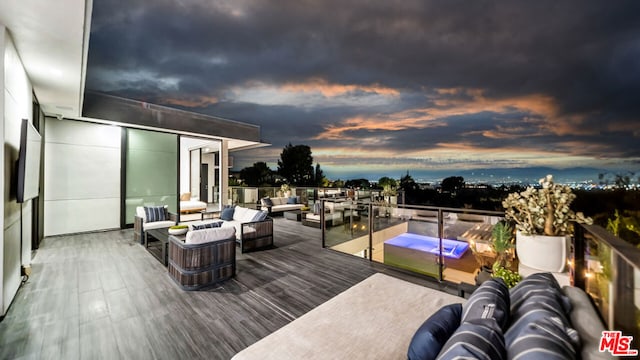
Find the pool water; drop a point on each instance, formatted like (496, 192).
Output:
(453, 249)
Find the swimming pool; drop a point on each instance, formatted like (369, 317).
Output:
(452, 249)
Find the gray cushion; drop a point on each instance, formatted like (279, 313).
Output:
(475, 339)
(227, 213)
(586, 320)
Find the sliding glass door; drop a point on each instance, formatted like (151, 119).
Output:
(151, 171)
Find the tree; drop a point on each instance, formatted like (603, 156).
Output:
(358, 183)
(336, 183)
(257, 175)
(318, 177)
(296, 165)
(388, 185)
(407, 183)
(452, 184)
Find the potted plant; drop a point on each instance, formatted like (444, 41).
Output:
(511, 278)
(285, 190)
(499, 254)
(502, 244)
(543, 221)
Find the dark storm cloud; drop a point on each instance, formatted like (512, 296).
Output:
(570, 68)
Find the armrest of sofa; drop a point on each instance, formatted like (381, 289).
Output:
(173, 216)
(138, 235)
(587, 322)
(255, 229)
(256, 235)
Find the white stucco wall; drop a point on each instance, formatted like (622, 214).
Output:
(82, 177)
(16, 103)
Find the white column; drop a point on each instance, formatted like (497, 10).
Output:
(224, 172)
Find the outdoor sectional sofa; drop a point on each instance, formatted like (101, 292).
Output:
(280, 204)
(335, 213)
(387, 318)
(254, 229)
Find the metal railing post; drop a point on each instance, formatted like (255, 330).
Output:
(578, 257)
(370, 231)
(440, 236)
(322, 227)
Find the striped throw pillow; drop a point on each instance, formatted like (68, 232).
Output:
(544, 338)
(210, 225)
(155, 213)
(475, 339)
(490, 300)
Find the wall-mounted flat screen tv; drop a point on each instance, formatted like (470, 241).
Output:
(28, 180)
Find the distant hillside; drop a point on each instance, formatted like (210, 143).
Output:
(529, 175)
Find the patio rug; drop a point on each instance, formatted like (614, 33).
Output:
(374, 319)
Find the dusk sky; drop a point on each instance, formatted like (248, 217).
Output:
(382, 87)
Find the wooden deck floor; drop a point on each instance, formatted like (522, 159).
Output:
(101, 295)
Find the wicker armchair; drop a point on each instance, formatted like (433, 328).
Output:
(194, 266)
(140, 224)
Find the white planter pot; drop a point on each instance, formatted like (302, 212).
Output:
(541, 252)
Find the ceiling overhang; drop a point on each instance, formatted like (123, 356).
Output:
(104, 108)
(52, 40)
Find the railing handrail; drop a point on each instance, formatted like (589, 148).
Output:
(625, 250)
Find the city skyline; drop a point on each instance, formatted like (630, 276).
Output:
(390, 87)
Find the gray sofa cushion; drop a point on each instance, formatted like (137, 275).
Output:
(585, 319)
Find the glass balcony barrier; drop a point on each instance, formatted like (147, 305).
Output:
(608, 269)
(447, 244)
(452, 244)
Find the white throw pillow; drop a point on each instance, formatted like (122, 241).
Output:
(249, 215)
(238, 213)
(208, 235)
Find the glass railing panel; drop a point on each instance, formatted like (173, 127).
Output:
(598, 274)
(417, 238)
(346, 227)
(467, 239)
(609, 271)
(401, 241)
